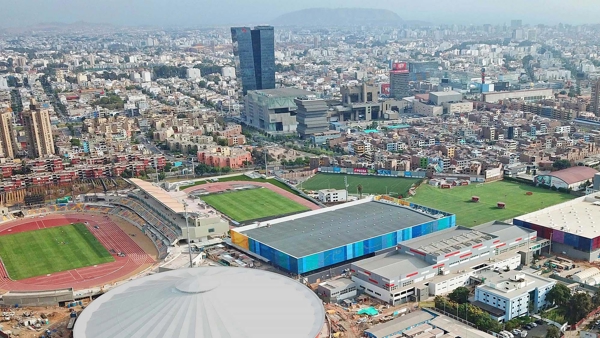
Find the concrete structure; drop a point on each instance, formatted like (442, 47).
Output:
(528, 95)
(38, 298)
(440, 262)
(422, 108)
(399, 79)
(574, 178)
(512, 292)
(311, 116)
(595, 101)
(332, 195)
(322, 138)
(7, 134)
(573, 227)
(312, 240)
(273, 110)
(439, 98)
(360, 102)
(254, 54)
(228, 71)
(36, 121)
(199, 302)
(336, 290)
(220, 156)
(193, 73)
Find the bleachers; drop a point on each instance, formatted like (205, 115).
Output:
(149, 217)
(160, 242)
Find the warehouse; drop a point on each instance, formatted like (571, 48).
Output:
(312, 240)
(574, 178)
(573, 227)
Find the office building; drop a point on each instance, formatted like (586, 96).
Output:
(332, 195)
(311, 116)
(254, 53)
(508, 295)
(272, 110)
(7, 134)
(193, 73)
(399, 78)
(595, 102)
(3, 83)
(39, 131)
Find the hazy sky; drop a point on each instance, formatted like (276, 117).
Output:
(238, 12)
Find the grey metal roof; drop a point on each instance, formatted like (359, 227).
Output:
(311, 234)
(400, 324)
(217, 302)
(391, 265)
(503, 231)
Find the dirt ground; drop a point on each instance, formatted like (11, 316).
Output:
(58, 319)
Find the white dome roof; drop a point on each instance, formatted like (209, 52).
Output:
(218, 302)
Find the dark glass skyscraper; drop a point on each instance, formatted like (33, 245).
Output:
(254, 52)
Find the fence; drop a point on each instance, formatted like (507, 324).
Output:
(372, 172)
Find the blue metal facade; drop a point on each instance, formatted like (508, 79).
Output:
(244, 57)
(341, 254)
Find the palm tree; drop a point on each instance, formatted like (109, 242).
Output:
(359, 188)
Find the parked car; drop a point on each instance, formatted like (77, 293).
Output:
(533, 324)
(539, 322)
(528, 327)
(516, 332)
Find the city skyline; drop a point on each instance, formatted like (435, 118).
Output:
(187, 13)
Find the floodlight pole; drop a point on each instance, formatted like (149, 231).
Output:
(188, 233)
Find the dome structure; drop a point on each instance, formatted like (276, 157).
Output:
(218, 302)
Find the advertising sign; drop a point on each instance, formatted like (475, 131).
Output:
(362, 171)
(336, 169)
(385, 89)
(401, 67)
(407, 174)
(384, 172)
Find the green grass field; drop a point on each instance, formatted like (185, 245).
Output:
(245, 205)
(458, 201)
(41, 252)
(371, 184)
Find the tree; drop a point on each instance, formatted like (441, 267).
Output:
(561, 164)
(553, 332)
(360, 190)
(71, 129)
(201, 169)
(161, 176)
(459, 295)
(75, 142)
(579, 306)
(222, 142)
(168, 166)
(559, 295)
(596, 300)
(226, 170)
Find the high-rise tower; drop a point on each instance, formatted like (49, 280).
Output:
(254, 52)
(7, 134)
(39, 131)
(399, 78)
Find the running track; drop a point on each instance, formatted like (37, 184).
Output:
(109, 234)
(220, 186)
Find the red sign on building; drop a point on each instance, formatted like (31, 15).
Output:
(385, 89)
(360, 170)
(400, 67)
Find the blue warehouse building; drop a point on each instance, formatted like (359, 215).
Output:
(316, 239)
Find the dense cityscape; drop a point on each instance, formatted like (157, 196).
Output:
(364, 176)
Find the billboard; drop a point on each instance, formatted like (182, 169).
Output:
(385, 89)
(384, 172)
(407, 174)
(399, 67)
(491, 173)
(337, 169)
(362, 171)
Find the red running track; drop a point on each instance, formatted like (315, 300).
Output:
(109, 234)
(221, 186)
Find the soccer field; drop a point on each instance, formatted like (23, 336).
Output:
(245, 205)
(371, 184)
(45, 251)
(458, 201)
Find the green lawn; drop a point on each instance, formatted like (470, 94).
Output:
(245, 205)
(41, 252)
(243, 178)
(458, 200)
(371, 184)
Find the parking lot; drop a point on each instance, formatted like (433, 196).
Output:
(539, 331)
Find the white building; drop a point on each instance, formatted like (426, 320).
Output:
(3, 83)
(228, 71)
(193, 73)
(146, 76)
(512, 292)
(332, 195)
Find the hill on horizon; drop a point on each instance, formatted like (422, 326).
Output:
(338, 17)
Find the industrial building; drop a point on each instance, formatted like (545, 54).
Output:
(572, 226)
(574, 178)
(440, 262)
(311, 116)
(205, 302)
(512, 293)
(316, 239)
(273, 110)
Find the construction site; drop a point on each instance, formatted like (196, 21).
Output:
(33, 322)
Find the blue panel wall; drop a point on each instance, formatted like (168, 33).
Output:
(347, 252)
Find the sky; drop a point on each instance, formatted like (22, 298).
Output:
(191, 13)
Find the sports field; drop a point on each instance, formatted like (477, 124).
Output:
(371, 184)
(458, 200)
(245, 205)
(45, 251)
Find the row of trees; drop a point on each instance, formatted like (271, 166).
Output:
(577, 305)
(469, 312)
(202, 169)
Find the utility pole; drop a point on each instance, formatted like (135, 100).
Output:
(266, 164)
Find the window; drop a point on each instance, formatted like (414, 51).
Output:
(211, 230)
(377, 293)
